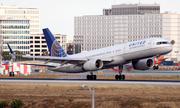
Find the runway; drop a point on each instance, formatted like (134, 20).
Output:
(132, 72)
(84, 81)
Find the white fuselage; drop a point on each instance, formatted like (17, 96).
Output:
(120, 54)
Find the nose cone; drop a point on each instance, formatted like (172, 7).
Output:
(168, 48)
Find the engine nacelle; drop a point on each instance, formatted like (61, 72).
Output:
(92, 65)
(143, 64)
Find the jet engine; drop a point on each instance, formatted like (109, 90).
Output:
(92, 65)
(143, 64)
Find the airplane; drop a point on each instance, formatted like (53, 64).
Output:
(138, 53)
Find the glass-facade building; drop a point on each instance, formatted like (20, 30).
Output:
(16, 33)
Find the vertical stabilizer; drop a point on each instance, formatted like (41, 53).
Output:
(10, 48)
(54, 47)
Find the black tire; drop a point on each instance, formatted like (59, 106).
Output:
(92, 77)
(88, 77)
(154, 67)
(157, 67)
(116, 77)
(95, 77)
(120, 77)
(123, 77)
(10, 74)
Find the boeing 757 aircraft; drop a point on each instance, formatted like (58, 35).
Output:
(138, 53)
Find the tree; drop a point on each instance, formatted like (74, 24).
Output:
(19, 58)
(6, 55)
(172, 43)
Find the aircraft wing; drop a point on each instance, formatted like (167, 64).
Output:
(61, 60)
(64, 60)
(49, 58)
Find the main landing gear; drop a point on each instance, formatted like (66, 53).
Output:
(120, 77)
(91, 77)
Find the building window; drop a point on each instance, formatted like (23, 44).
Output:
(37, 41)
(37, 46)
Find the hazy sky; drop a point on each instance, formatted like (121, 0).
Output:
(58, 15)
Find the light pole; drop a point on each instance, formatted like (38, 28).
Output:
(92, 92)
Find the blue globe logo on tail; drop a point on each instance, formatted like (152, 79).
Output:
(54, 47)
(57, 50)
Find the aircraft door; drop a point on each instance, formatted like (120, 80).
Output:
(125, 49)
(151, 44)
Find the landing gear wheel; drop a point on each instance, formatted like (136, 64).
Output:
(155, 67)
(11, 74)
(94, 77)
(88, 77)
(91, 77)
(116, 77)
(120, 77)
(123, 77)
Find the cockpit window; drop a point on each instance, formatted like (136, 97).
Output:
(158, 43)
(163, 42)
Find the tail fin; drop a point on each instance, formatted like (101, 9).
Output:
(10, 48)
(54, 47)
(12, 53)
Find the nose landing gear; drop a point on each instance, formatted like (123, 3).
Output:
(155, 67)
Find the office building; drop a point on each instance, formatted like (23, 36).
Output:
(14, 12)
(114, 28)
(16, 25)
(16, 33)
(78, 44)
(38, 43)
(132, 9)
(70, 47)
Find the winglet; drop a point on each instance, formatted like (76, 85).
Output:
(10, 49)
(54, 47)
